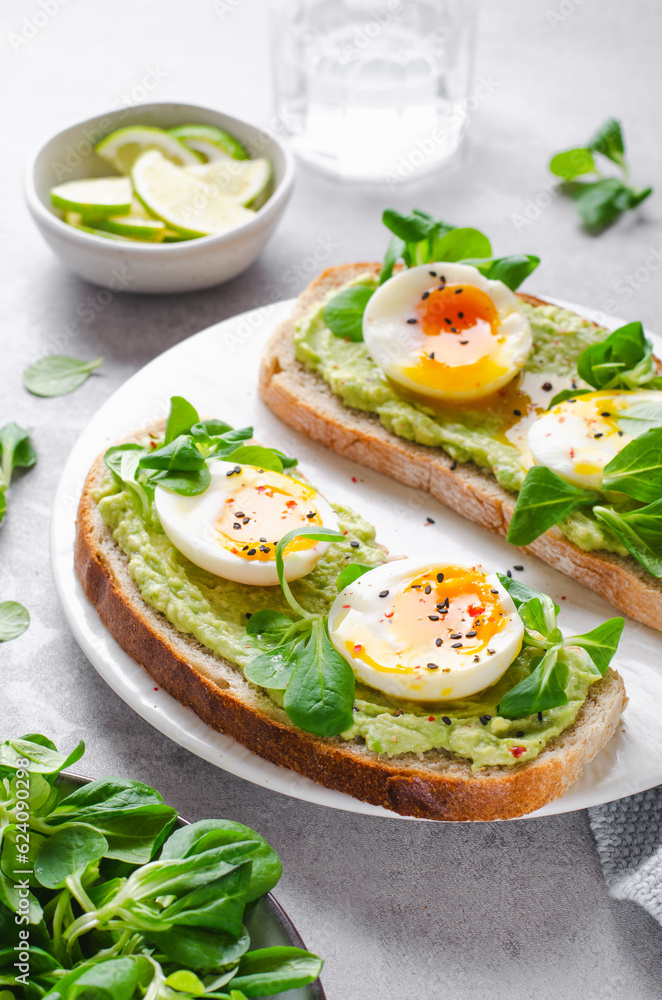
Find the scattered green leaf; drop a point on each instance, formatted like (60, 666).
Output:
(58, 375)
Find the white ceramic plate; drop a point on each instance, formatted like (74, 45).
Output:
(217, 370)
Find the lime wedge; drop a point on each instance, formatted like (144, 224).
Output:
(212, 142)
(95, 196)
(184, 202)
(123, 147)
(172, 237)
(75, 219)
(245, 182)
(138, 227)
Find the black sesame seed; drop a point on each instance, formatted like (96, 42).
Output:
(249, 614)
(433, 618)
(416, 586)
(461, 315)
(518, 413)
(425, 295)
(453, 329)
(476, 659)
(518, 568)
(470, 635)
(428, 589)
(244, 548)
(620, 434)
(354, 544)
(262, 539)
(383, 593)
(433, 274)
(431, 355)
(494, 591)
(237, 468)
(539, 716)
(412, 319)
(509, 574)
(433, 666)
(447, 320)
(456, 645)
(446, 721)
(311, 514)
(456, 635)
(251, 552)
(463, 341)
(429, 520)
(265, 548)
(458, 290)
(440, 577)
(236, 526)
(605, 414)
(491, 652)
(239, 513)
(485, 719)
(571, 400)
(441, 278)
(519, 734)
(230, 473)
(453, 465)
(598, 435)
(398, 712)
(547, 386)
(246, 520)
(438, 642)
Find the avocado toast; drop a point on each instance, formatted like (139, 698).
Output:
(192, 631)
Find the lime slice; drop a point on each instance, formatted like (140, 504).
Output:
(138, 227)
(76, 220)
(184, 202)
(244, 182)
(172, 237)
(123, 147)
(95, 196)
(212, 142)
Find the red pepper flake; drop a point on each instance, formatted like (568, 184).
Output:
(354, 479)
(430, 718)
(153, 445)
(517, 751)
(357, 647)
(291, 504)
(563, 598)
(474, 611)
(156, 689)
(389, 614)
(347, 605)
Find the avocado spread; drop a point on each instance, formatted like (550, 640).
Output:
(214, 611)
(492, 434)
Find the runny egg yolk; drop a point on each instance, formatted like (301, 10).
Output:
(460, 609)
(253, 520)
(464, 323)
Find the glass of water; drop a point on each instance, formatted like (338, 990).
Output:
(373, 89)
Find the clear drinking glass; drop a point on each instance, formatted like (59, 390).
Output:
(373, 89)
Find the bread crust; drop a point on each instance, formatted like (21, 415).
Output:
(303, 399)
(437, 786)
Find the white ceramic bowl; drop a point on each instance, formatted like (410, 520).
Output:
(141, 267)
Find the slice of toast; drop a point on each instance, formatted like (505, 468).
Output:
(302, 398)
(434, 785)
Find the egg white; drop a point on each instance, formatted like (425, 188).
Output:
(564, 438)
(360, 615)
(396, 345)
(189, 523)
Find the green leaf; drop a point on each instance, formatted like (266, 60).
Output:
(544, 688)
(320, 696)
(252, 454)
(219, 905)
(273, 670)
(601, 643)
(623, 360)
(608, 140)
(16, 451)
(638, 418)
(351, 573)
(543, 501)
(461, 245)
(181, 419)
(637, 469)
(315, 534)
(274, 970)
(521, 594)
(68, 852)
(640, 531)
(411, 228)
(211, 833)
(512, 271)
(560, 397)
(573, 163)
(185, 981)
(394, 252)
(14, 620)
(600, 203)
(187, 484)
(270, 626)
(123, 460)
(200, 949)
(14, 860)
(179, 455)
(115, 979)
(43, 759)
(57, 375)
(343, 314)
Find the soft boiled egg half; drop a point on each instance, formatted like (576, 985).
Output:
(579, 437)
(426, 631)
(447, 332)
(232, 529)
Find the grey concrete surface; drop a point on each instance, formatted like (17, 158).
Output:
(400, 910)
